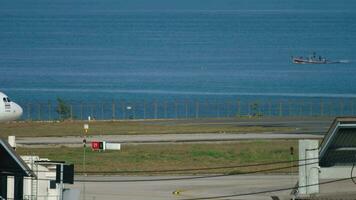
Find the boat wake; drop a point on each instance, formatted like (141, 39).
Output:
(343, 61)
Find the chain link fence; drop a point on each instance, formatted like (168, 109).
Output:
(122, 110)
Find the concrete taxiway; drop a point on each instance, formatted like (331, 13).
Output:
(160, 138)
(229, 186)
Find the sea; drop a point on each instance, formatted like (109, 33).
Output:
(99, 51)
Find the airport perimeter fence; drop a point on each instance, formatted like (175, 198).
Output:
(189, 109)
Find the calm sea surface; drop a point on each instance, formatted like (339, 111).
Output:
(88, 54)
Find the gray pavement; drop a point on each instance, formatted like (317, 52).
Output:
(307, 124)
(164, 138)
(198, 188)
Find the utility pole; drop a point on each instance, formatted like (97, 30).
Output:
(291, 162)
(61, 184)
(86, 128)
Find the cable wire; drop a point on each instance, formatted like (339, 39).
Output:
(182, 178)
(194, 177)
(266, 191)
(277, 190)
(178, 170)
(195, 169)
(352, 170)
(199, 177)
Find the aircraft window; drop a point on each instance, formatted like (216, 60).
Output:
(8, 99)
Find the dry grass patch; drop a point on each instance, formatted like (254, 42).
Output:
(75, 128)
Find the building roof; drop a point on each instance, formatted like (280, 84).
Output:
(12, 164)
(339, 144)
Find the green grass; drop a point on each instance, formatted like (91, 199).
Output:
(173, 156)
(75, 128)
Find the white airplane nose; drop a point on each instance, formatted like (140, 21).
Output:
(17, 110)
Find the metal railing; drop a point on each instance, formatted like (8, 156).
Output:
(40, 197)
(188, 109)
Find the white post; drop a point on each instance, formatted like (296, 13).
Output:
(308, 167)
(10, 187)
(11, 179)
(86, 128)
(12, 141)
(313, 168)
(61, 184)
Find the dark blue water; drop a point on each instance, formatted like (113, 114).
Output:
(99, 52)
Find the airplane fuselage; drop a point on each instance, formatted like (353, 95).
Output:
(9, 110)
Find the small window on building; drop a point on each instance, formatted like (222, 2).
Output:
(52, 184)
(4, 99)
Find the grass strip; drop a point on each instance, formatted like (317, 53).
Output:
(75, 128)
(174, 156)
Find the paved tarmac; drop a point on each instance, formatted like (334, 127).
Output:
(313, 125)
(164, 138)
(198, 188)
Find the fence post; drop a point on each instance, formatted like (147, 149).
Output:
(49, 110)
(123, 109)
(217, 109)
(155, 109)
(81, 110)
(113, 109)
(352, 107)
(257, 108)
(238, 108)
(176, 108)
(102, 111)
(197, 109)
(301, 108)
(28, 111)
(39, 111)
(227, 109)
(144, 109)
(133, 110)
(186, 109)
(205, 104)
(165, 109)
(249, 108)
(270, 108)
(92, 111)
(71, 112)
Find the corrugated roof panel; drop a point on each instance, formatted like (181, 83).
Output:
(10, 163)
(339, 145)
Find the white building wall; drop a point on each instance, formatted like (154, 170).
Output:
(308, 167)
(40, 188)
(10, 187)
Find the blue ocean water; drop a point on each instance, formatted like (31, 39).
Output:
(94, 53)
